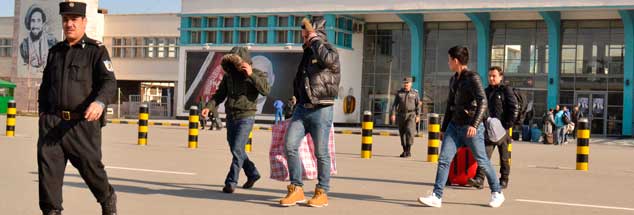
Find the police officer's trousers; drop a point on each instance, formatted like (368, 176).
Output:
(406, 129)
(77, 141)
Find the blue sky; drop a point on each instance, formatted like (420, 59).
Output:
(117, 6)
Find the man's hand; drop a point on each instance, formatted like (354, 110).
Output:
(417, 119)
(94, 112)
(393, 118)
(471, 132)
(246, 68)
(205, 112)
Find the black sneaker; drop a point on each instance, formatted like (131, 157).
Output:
(250, 182)
(52, 212)
(475, 183)
(228, 189)
(109, 207)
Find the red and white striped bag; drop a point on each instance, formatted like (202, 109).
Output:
(277, 157)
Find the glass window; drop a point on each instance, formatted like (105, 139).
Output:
(211, 36)
(263, 21)
(297, 37)
(228, 22)
(281, 37)
(195, 22)
(227, 37)
(195, 37)
(245, 21)
(261, 36)
(212, 22)
(282, 21)
(243, 37)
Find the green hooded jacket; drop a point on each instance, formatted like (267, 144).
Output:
(241, 92)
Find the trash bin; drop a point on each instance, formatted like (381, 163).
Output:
(6, 95)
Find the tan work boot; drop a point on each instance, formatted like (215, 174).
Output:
(320, 199)
(295, 195)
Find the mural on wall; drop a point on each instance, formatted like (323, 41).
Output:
(203, 75)
(40, 29)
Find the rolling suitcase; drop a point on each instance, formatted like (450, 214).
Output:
(462, 168)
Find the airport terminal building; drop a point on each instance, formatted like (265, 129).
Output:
(569, 52)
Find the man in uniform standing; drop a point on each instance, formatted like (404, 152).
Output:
(406, 112)
(77, 84)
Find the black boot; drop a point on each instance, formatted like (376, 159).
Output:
(504, 183)
(408, 151)
(52, 212)
(477, 183)
(404, 151)
(109, 207)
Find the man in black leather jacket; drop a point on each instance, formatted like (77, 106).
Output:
(502, 105)
(462, 126)
(315, 86)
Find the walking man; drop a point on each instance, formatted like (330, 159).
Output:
(240, 86)
(77, 84)
(466, 108)
(406, 112)
(315, 86)
(503, 106)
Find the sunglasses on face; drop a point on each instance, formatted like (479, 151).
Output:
(303, 27)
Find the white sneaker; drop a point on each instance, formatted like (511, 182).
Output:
(431, 201)
(497, 198)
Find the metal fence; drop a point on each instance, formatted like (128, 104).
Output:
(159, 106)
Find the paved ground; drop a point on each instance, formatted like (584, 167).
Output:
(166, 177)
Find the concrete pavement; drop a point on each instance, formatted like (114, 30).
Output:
(165, 177)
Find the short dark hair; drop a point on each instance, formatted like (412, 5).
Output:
(497, 68)
(461, 53)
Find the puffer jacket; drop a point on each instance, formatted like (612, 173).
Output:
(467, 103)
(240, 91)
(502, 104)
(318, 75)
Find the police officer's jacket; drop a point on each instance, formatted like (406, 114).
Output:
(406, 102)
(75, 76)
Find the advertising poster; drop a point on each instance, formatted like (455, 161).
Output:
(203, 75)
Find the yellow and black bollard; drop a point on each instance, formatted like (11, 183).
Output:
(366, 135)
(249, 146)
(193, 127)
(11, 112)
(583, 144)
(433, 138)
(144, 116)
(510, 145)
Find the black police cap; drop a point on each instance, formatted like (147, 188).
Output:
(72, 8)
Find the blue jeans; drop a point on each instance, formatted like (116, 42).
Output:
(278, 115)
(456, 136)
(560, 135)
(317, 122)
(237, 136)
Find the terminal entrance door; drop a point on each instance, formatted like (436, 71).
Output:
(593, 105)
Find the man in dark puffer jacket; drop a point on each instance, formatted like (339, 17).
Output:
(315, 86)
(240, 85)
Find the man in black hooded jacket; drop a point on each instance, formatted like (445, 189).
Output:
(315, 86)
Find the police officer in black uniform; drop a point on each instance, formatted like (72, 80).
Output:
(406, 112)
(77, 84)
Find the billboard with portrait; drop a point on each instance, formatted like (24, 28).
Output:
(40, 28)
(203, 75)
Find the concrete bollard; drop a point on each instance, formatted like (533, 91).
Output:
(366, 135)
(144, 116)
(433, 138)
(11, 112)
(583, 144)
(193, 128)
